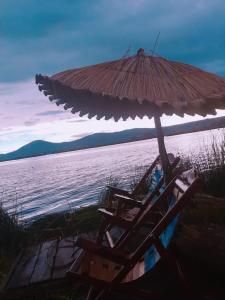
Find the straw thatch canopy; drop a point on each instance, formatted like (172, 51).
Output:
(136, 86)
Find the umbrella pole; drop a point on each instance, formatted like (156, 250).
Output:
(162, 148)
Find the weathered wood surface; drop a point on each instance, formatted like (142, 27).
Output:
(46, 261)
(22, 272)
(66, 254)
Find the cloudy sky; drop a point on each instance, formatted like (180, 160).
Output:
(39, 36)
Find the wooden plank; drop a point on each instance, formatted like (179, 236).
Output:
(137, 271)
(44, 262)
(181, 185)
(105, 212)
(25, 268)
(180, 203)
(77, 263)
(109, 239)
(66, 254)
(42, 269)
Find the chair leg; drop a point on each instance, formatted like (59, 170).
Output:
(98, 293)
(182, 276)
(90, 294)
(103, 294)
(173, 263)
(102, 229)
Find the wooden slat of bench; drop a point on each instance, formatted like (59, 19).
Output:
(42, 269)
(105, 212)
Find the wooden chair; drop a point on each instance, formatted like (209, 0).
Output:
(128, 209)
(140, 249)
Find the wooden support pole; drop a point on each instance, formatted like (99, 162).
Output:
(162, 149)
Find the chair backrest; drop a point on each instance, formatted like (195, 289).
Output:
(145, 177)
(156, 163)
(185, 186)
(148, 207)
(156, 191)
(182, 189)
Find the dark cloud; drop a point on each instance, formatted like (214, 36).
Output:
(50, 113)
(38, 37)
(31, 122)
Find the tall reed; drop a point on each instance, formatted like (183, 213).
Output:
(210, 164)
(12, 234)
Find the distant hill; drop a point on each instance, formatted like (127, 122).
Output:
(39, 147)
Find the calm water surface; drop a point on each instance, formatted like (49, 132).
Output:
(59, 182)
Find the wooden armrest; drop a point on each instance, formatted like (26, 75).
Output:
(109, 253)
(128, 200)
(105, 212)
(117, 190)
(114, 219)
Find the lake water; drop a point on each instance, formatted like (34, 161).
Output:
(53, 183)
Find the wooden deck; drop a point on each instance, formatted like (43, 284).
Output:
(43, 262)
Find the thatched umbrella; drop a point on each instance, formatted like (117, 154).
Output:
(139, 85)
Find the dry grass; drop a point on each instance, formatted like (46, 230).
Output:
(210, 165)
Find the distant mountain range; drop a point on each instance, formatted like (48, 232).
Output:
(39, 147)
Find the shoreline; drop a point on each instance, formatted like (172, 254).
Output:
(181, 132)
